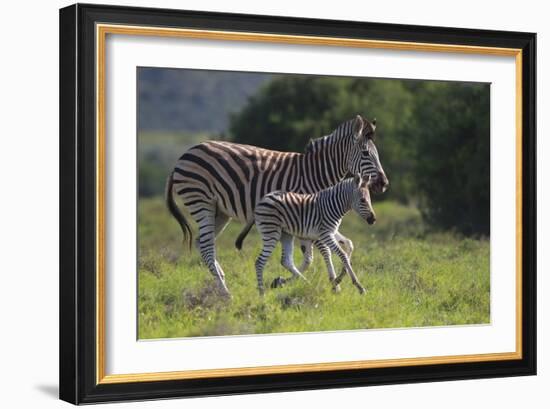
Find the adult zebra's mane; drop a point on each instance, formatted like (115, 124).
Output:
(315, 144)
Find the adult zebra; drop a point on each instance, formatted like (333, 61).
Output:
(219, 181)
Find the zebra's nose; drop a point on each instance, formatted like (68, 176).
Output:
(384, 182)
(371, 219)
(381, 183)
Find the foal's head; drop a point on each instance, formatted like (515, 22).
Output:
(361, 202)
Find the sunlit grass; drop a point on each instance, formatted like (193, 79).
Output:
(414, 278)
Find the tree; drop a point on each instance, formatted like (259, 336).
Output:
(287, 112)
(432, 136)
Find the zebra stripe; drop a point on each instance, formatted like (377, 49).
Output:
(218, 181)
(281, 216)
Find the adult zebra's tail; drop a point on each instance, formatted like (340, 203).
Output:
(243, 234)
(175, 211)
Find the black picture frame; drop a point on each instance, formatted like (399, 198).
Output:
(78, 360)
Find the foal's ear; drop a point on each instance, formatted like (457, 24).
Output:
(357, 179)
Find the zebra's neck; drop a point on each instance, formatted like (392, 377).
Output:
(337, 200)
(326, 161)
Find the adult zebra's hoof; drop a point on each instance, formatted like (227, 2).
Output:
(223, 293)
(278, 282)
(362, 291)
(336, 289)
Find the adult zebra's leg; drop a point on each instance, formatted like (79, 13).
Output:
(335, 247)
(325, 253)
(347, 246)
(220, 223)
(205, 242)
(287, 258)
(307, 251)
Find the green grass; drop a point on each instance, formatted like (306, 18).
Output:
(413, 278)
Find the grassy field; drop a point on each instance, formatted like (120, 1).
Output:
(413, 279)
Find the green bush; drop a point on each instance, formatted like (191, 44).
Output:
(452, 156)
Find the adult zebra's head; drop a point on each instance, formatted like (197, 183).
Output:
(364, 157)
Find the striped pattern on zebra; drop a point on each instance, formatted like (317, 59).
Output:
(219, 181)
(281, 216)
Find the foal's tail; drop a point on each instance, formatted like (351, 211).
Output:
(176, 212)
(243, 234)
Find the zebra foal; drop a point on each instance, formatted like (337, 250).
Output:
(281, 216)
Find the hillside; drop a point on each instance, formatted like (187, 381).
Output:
(192, 100)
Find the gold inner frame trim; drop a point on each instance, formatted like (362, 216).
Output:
(101, 33)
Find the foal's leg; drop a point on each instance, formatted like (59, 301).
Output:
(307, 251)
(325, 252)
(287, 259)
(347, 246)
(206, 219)
(335, 247)
(269, 242)
(344, 242)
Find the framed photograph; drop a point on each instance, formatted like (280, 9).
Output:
(257, 203)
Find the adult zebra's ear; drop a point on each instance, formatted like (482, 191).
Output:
(370, 129)
(309, 146)
(359, 134)
(358, 125)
